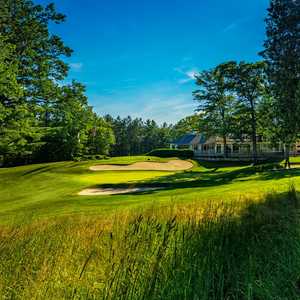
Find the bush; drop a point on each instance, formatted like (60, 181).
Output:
(184, 153)
(90, 157)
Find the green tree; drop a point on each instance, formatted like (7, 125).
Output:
(38, 52)
(100, 137)
(150, 136)
(38, 57)
(282, 55)
(186, 125)
(70, 120)
(135, 136)
(247, 81)
(165, 135)
(17, 136)
(120, 129)
(216, 105)
(40, 117)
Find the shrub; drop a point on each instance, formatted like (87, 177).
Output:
(184, 153)
(90, 157)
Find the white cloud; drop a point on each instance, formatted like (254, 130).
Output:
(190, 75)
(236, 24)
(77, 66)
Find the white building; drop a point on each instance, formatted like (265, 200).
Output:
(214, 148)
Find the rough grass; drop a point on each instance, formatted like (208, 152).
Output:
(239, 250)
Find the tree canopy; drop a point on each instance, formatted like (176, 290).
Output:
(282, 55)
(42, 118)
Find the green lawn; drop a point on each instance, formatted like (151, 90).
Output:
(217, 231)
(51, 189)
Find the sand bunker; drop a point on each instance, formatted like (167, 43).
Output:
(172, 165)
(115, 191)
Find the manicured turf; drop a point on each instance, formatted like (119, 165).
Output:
(50, 189)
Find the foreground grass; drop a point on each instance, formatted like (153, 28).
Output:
(243, 249)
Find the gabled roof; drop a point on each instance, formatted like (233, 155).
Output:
(189, 139)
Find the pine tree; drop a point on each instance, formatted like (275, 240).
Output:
(282, 54)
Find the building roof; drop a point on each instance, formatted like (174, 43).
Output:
(189, 139)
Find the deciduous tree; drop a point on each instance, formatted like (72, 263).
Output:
(216, 105)
(247, 82)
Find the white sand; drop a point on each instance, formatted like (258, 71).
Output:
(115, 191)
(172, 165)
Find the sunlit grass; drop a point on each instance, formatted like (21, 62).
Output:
(239, 249)
(113, 177)
(51, 190)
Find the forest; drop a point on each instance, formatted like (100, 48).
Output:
(43, 117)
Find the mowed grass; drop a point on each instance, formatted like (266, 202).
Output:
(218, 231)
(46, 190)
(52, 189)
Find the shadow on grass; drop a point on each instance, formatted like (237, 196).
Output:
(224, 163)
(71, 168)
(210, 178)
(255, 255)
(37, 170)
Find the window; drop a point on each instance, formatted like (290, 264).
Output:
(219, 149)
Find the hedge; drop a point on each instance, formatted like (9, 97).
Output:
(184, 153)
(91, 157)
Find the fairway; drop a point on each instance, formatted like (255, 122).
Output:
(51, 189)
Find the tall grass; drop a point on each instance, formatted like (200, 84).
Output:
(239, 250)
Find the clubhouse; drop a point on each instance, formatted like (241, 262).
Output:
(213, 148)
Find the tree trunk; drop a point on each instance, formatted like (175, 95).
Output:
(47, 117)
(254, 143)
(287, 163)
(225, 146)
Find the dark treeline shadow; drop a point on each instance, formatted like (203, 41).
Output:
(209, 178)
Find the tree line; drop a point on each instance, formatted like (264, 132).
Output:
(136, 136)
(42, 118)
(242, 100)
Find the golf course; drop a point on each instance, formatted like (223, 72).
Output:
(157, 237)
(149, 150)
(52, 189)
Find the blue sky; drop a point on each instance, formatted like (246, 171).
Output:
(138, 57)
